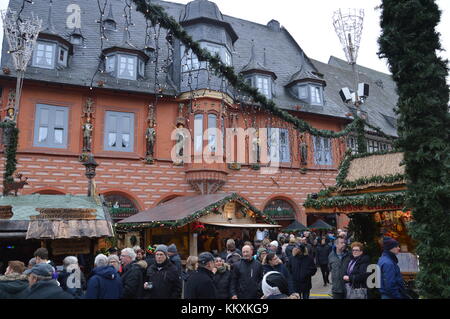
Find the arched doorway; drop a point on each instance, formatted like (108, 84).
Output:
(120, 206)
(281, 211)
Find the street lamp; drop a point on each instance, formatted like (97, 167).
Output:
(90, 165)
(21, 35)
(348, 25)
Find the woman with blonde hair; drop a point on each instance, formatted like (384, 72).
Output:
(191, 268)
(356, 275)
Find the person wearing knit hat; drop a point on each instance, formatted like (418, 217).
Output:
(162, 280)
(261, 254)
(392, 284)
(174, 257)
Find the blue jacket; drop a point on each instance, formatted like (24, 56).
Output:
(391, 279)
(105, 283)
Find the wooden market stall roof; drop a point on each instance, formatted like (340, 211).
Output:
(183, 210)
(366, 183)
(54, 217)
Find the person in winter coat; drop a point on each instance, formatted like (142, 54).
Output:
(302, 268)
(191, 268)
(290, 247)
(222, 279)
(232, 255)
(71, 278)
(246, 277)
(14, 284)
(105, 282)
(392, 284)
(275, 286)
(273, 263)
(322, 252)
(356, 274)
(162, 279)
(201, 284)
(41, 255)
(42, 285)
(132, 276)
(113, 260)
(337, 263)
(174, 257)
(261, 254)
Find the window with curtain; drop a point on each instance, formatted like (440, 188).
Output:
(212, 138)
(322, 151)
(198, 133)
(278, 145)
(51, 126)
(44, 55)
(119, 131)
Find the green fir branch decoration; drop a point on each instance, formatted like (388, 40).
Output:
(369, 200)
(387, 179)
(410, 43)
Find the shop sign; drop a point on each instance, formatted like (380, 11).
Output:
(6, 212)
(64, 213)
(70, 246)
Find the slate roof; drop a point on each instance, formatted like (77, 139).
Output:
(284, 57)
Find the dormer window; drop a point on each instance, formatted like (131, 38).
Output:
(308, 92)
(262, 83)
(125, 66)
(50, 55)
(44, 55)
(190, 62)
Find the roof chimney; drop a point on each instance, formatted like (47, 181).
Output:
(274, 25)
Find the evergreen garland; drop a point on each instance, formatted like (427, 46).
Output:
(366, 231)
(156, 14)
(409, 42)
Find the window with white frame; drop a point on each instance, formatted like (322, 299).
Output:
(63, 54)
(212, 138)
(51, 126)
(263, 85)
(198, 133)
(303, 92)
(44, 55)
(316, 95)
(110, 62)
(322, 151)
(278, 145)
(127, 67)
(119, 131)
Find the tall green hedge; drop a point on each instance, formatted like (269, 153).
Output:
(410, 43)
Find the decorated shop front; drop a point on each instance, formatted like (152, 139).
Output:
(199, 223)
(374, 186)
(64, 224)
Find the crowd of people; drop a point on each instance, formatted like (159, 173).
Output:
(270, 269)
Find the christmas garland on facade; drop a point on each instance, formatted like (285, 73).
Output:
(156, 14)
(213, 208)
(366, 200)
(11, 137)
(410, 43)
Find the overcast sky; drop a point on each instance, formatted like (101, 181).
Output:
(310, 23)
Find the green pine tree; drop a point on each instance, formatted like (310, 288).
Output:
(410, 43)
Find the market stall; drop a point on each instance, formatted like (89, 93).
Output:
(198, 223)
(64, 224)
(373, 185)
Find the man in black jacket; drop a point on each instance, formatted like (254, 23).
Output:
(42, 286)
(162, 279)
(132, 275)
(302, 268)
(246, 277)
(323, 251)
(14, 284)
(201, 284)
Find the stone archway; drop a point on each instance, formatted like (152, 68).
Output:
(280, 210)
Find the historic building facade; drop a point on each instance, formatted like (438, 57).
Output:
(103, 81)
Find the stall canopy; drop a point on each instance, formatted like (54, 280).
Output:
(53, 217)
(295, 227)
(366, 183)
(321, 225)
(226, 210)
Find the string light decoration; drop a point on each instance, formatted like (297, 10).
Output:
(21, 35)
